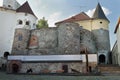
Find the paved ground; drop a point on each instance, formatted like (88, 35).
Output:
(4, 76)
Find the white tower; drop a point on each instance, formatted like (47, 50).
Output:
(11, 4)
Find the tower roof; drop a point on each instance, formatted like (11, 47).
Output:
(117, 25)
(99, 14)
(79, 17)
(25, 8)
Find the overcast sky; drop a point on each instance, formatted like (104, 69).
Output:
(57, 10)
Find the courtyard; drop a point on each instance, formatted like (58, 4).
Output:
(4, 76)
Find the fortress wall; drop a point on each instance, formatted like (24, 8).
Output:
(43, 41)
(20, 43)
(87, 41)
(69, 38)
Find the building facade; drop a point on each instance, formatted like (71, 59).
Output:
(62, 48)
(12, 16)
(116, 48)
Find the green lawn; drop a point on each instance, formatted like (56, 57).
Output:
(4, 76)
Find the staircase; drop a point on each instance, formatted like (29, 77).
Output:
(109, 69)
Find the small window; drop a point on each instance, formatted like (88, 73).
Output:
(20, 37)
(9, 5)
(20, 22)
(27, 23)
(101, 22)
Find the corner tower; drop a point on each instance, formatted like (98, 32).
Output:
(100, 30)
(11, 4)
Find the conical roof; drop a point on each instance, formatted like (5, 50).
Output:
(25, 8)
(79, 17)
(117, 26)
(99, 14)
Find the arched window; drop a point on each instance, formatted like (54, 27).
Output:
(27, 22)
(20, 22)
(20, 37)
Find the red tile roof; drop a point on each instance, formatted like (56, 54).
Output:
(25, 8)
(117, 25)
(78, 17)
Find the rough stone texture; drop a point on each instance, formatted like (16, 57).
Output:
(102, 41)
(69, 38)
(52, 67)
(87, 41)
(47, 38)
(21, 40)
(44, 52)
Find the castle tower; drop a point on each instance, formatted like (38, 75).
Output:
(100, 30)
(11, 4)
(20, 43)
(25, 17)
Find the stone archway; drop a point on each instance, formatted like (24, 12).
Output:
(102, 59)
(15, 68)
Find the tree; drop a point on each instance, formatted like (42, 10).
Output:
(42, 23)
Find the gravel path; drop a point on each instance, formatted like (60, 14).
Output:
(4, 76)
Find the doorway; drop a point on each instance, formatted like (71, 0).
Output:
(102, 59)
(15, 68)
(65, 68)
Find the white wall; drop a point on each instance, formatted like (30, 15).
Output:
(26, 17)
(118, 41)
(7, 25)
(1, 3)
(11, 4)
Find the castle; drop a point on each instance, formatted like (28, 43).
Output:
(58, 49)
(13, 15)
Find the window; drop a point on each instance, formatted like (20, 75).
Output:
(20, 22)
(101, 22)
(9, 5)
(27, 23)
(20, 37)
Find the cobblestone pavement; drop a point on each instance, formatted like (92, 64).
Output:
(4, 76)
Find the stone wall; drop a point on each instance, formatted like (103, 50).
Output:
(43, 41)
(69, 38)
(102, 41)
(52, 67)
(87, 41)
(20, 44)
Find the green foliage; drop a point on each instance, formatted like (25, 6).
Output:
(42, 23)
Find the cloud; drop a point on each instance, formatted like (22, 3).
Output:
(54, 18)
(106, 11)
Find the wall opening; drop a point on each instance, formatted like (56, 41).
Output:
(65, 68)
(102, 59)
(15, 68)
(20, 22)
(27, 23)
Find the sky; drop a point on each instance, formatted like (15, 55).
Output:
(57, 10)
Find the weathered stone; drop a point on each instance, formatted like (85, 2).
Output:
(21, 41)
(69, 38)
